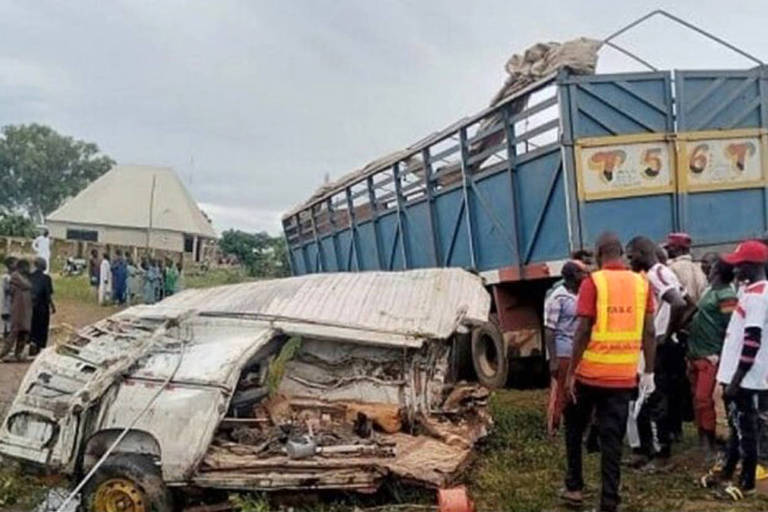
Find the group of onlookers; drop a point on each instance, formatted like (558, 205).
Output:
(27, 304)
(639, 345)
(119, 280)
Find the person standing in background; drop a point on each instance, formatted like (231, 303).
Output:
(5, 311)
(688, 272)
(705, 342)
(21, 309)
(654, 424)
(560, 323)
(42, 306)
(160, 290)
(119, 278)
(105, 280)
(42, 247)
(135, 281)
(150, 281)
(93, 271)
(171, 276)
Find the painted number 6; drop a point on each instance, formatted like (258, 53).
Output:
(699, 159)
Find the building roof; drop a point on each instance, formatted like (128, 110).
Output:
(122, 197)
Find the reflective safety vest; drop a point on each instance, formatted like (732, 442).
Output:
(611, 357)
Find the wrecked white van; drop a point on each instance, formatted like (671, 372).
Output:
(330, 381)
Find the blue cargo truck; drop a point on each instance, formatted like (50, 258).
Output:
(512, 191)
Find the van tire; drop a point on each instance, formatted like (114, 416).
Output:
(489, 356)
(138, 469)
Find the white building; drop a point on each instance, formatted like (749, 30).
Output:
(136, 206)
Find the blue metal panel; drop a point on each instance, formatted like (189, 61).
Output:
(416, 216)
(452, 228)
(330, 259)
(544, 230)
(313, 257)
(620, 104)
(491, 207)
(644, 215)
(367, 239)
(726, 216)
(298, 262)
(390, 238)
(347, 251)
(722, 100)
(717, 100)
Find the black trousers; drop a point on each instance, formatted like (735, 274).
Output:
(611, 406)
(654, 424)
(743, 434)
(679, 400)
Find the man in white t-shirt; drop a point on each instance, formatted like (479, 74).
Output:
(743, 367)
(653, 423)
(42, 247)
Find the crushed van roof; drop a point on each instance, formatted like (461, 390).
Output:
(387, 308)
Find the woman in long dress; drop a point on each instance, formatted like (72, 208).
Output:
(105, 280)
(151, 277)
(135, 273)
(21, 310)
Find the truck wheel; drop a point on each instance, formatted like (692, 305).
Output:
(127, 483)
(489, 356)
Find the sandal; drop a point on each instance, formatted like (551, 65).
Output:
(736, 494)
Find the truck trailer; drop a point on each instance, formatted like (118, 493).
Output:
(512, 191)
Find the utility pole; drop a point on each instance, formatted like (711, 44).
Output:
(151, 210)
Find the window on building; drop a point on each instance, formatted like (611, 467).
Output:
(189, 243)
(86, 235)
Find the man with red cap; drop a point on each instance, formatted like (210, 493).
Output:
(688, 272)
(743, 368)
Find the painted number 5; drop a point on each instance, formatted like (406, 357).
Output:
(652, 159)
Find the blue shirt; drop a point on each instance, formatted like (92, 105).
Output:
(560, 316)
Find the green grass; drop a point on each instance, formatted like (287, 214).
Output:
(78, 289)
(520, 468)
(214, 277)
(19, 491)
(74, 288)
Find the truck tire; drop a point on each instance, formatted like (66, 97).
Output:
(489, 356)
(129, 482)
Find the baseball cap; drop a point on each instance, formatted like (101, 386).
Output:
(751, 251)
(678, 240)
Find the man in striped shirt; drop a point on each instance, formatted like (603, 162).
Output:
(743, 367)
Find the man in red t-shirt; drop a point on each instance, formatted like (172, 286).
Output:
(615, 312)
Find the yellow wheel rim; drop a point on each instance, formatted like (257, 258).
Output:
(119, 495)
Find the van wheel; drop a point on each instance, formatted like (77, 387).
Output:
(489, 356)
(127, 483)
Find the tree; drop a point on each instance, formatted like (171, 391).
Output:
(262, 255)
(40, 168)
(16, 225)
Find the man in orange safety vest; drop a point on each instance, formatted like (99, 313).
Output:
(615, 312)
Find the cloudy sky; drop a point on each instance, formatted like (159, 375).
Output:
(254, 102)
